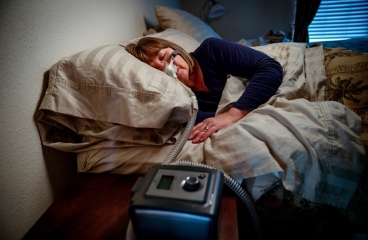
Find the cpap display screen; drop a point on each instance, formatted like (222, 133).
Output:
(165, 182)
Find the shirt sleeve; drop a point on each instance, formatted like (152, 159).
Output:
(263, 72)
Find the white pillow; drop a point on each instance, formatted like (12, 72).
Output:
(174, 35)
(106, 93)
(185, 22)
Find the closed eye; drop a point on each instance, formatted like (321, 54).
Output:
(163, 57)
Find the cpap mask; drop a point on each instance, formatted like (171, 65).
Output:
(170, 68)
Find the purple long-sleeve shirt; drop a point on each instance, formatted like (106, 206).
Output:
(218, 58)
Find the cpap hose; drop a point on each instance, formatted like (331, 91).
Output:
(181, 141)
(184, 136)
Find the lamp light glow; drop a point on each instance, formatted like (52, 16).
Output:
(216, 10)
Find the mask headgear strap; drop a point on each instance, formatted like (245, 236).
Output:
(174, 54)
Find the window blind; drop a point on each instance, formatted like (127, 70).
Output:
(339, 20)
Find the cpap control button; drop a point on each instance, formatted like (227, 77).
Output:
(191, 183)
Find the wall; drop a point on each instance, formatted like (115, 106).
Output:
(35, 34)
(247, 19)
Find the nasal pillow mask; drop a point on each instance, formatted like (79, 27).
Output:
(170, 68)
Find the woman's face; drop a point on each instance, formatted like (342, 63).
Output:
(164, 56)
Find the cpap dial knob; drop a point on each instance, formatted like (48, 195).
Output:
(191, 183)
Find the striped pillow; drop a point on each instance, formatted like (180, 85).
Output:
(107, 93)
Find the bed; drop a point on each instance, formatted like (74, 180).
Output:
(304, 150)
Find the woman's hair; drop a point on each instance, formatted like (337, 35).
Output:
(148, 47)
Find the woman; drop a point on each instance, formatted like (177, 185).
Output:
(205, 71)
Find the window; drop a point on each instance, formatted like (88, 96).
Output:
(339, 20)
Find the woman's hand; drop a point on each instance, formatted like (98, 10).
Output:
(203, 130)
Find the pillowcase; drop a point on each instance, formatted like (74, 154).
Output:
(185, 22)
(105, 93)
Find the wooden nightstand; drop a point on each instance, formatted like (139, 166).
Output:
(95, 206)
